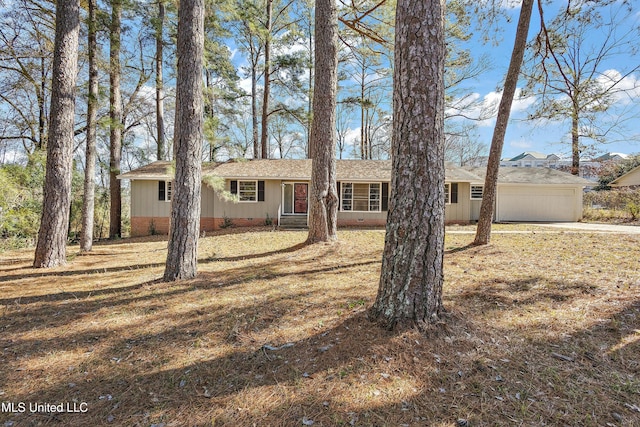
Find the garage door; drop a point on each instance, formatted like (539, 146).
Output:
(536, 204)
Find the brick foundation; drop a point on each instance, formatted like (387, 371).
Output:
(363, 223)
(145, 226)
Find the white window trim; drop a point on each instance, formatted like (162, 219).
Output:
(255, 196)
(168, 191)
(342, 183)
(447, 193)
(471, 192)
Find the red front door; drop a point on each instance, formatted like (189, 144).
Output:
(300, 198)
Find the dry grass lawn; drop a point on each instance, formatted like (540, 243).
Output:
(542, 329)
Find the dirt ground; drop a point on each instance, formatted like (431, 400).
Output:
(542, 329)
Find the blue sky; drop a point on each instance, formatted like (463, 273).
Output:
(524, 134)
(552, 137)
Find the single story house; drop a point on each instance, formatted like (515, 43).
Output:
(276, 192)
(630, 179)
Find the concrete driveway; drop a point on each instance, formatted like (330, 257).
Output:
(601, 228)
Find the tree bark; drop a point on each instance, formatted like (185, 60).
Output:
(162, 150)
(182, 256)
(575, 139)
(323, 196)
(88, 202)
(115, 116)
(410, 289)
(363, 137)
(254, 111)
(310, 96)
(54, 223)
(483, 231)
(264, 137)
(42, 114)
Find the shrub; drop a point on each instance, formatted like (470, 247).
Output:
(615, 204)
(226, 222)
(633, 209)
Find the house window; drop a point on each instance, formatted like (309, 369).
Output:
(164, 191)
(248, 191)
(451, 193)
(476, 192)
(359, 197)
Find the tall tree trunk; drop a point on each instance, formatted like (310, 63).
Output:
(182, 255)
(483, 231)
(310, 97)
(209, 110)
(410, 289)
(115, 116)
(323, 197)
(254, 111)
(54, 224)
(363, 133)
(88, 202)
(42, 115)
(575, 140)
(162, 149)
(267, 83)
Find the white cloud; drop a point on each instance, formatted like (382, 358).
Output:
(352, 135)
(232, 54)
(245, 84)
(625, 89)
(521, 144)
(485, 109)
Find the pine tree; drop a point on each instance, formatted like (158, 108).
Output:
(52, 236)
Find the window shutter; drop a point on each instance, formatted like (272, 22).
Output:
(161, 191)
(234, 187)
(454, 192)
(261, 191)
(339, 195)
(385, 196)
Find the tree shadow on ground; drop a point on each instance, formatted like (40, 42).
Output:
(503, 294)
(449, 378)
(349, 373)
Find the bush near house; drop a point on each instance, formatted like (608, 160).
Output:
(621, 204)
(21, 204)
(21, 201)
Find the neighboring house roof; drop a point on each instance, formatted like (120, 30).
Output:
(541, 176)
(532, 155)
(630, 178)
(610, 156)
(529, 155)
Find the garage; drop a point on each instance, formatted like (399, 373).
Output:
(535, 195)
(521, 202)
